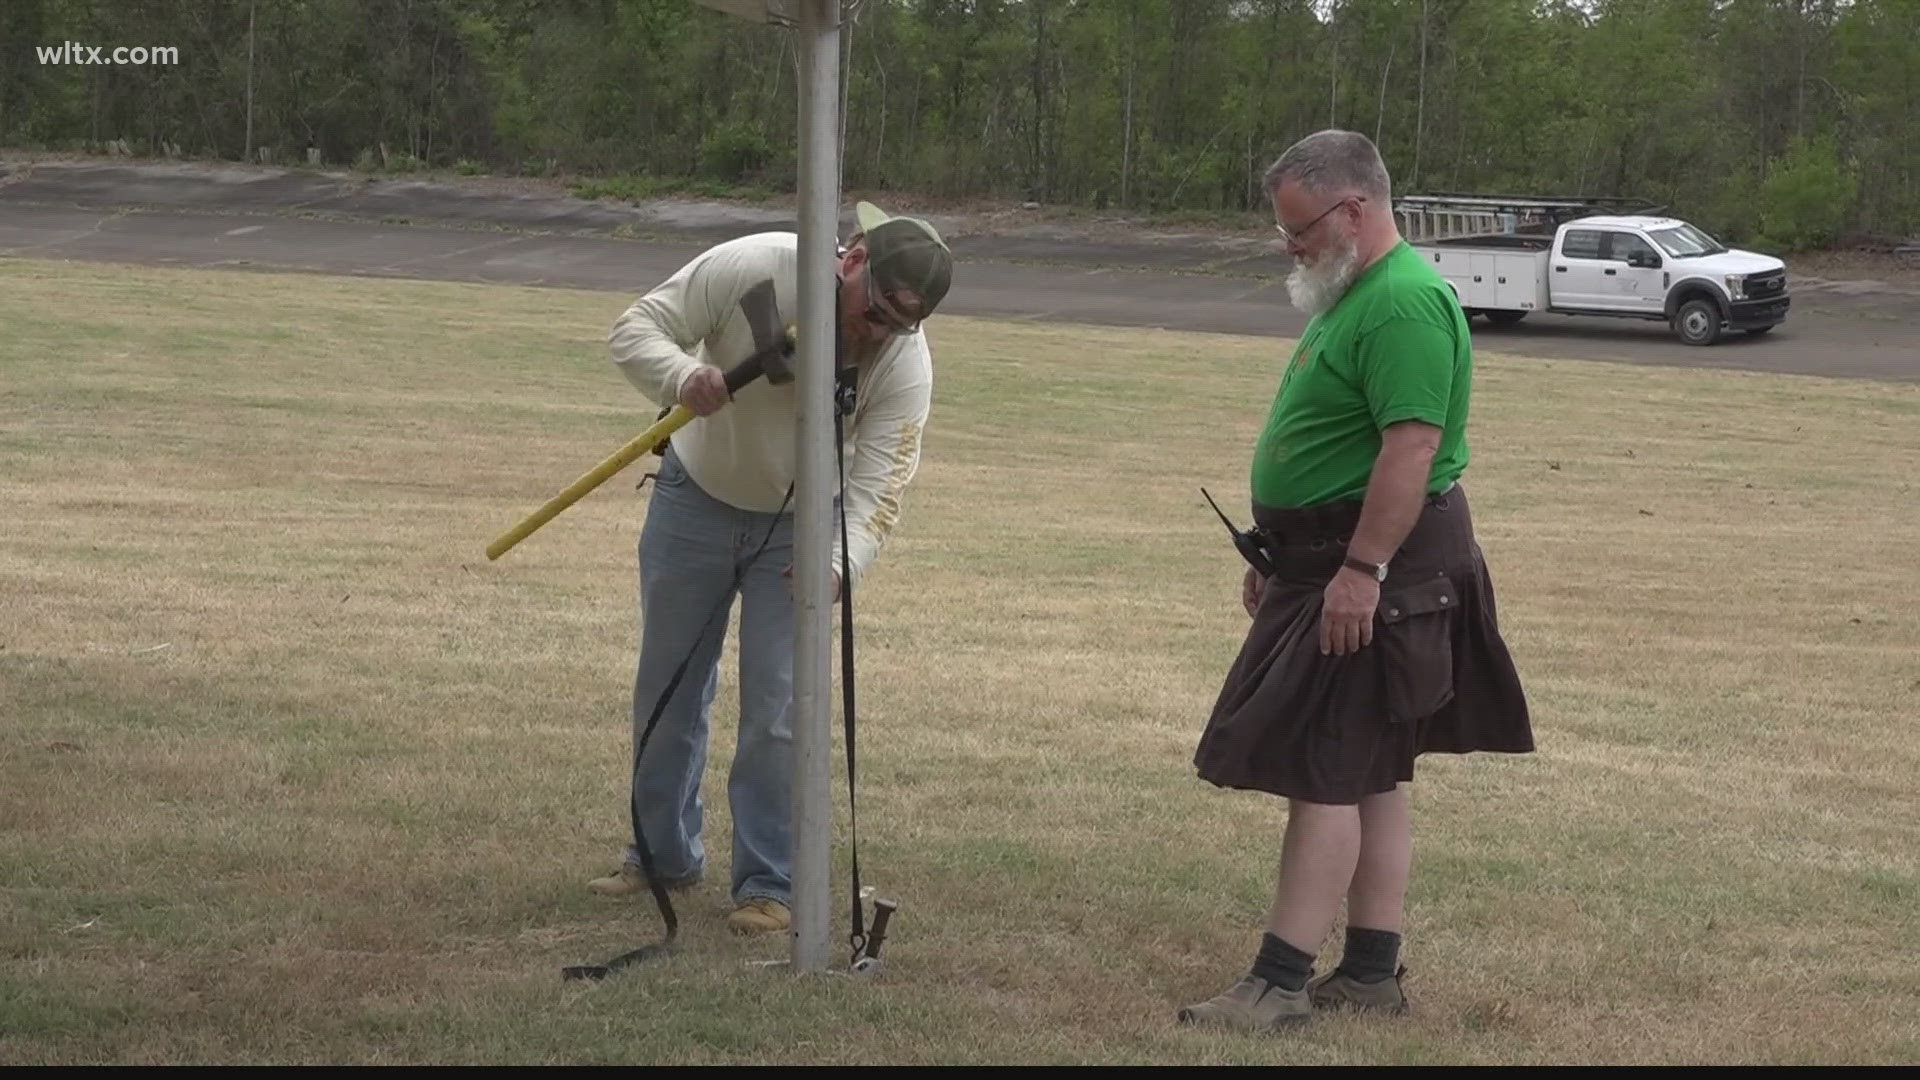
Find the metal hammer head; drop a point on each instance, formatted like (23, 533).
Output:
(772, 345)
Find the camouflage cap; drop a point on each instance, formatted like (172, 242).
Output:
(906, 254)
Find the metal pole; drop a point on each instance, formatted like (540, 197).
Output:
(814, 484)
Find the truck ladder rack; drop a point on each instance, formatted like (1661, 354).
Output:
(1455, 215)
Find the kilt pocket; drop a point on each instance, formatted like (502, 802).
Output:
(1416, 640)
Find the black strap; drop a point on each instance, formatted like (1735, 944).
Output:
(660, 897)
(843, 404)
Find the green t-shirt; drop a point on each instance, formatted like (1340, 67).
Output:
(1395, 347)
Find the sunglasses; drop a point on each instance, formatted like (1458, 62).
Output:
(879, 316)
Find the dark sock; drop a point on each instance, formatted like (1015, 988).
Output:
(1281, 964)
(1370, 955)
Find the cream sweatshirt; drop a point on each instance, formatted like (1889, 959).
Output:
(744, 454)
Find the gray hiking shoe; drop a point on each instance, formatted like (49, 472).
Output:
(1338, 991)
(1252, 1004)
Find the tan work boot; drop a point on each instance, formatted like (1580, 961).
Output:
(760, 915)
(1252, 1004)
(630, 879)
(1336, 991)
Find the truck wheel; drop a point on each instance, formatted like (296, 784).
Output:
(1698, 322)
(1505, 318)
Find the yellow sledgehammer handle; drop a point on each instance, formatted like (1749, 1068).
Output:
(620, 459)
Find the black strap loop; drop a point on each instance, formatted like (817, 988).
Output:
(857, 936)
(844, 402)
(660, 898)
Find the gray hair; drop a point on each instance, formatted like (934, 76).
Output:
(1333, 160)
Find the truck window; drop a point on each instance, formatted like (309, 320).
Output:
(1582, 244)
(1686, 242)
(1625, 244)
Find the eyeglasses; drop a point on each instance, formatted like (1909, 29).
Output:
(1289, 236)
(879, 316)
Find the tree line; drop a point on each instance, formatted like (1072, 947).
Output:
(1783, 122)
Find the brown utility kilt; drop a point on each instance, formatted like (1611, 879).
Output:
(1437, 676)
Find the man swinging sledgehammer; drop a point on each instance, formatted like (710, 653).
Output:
(720, 524)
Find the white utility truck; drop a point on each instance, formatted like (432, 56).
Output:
(1509, 257)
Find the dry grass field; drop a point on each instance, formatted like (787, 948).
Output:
(293, 773)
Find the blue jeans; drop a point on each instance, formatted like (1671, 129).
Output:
(690, 547)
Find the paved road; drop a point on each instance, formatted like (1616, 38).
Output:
(174, 215)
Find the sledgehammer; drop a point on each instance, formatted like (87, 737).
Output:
(773, 359)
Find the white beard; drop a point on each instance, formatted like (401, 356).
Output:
(1318, 287)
